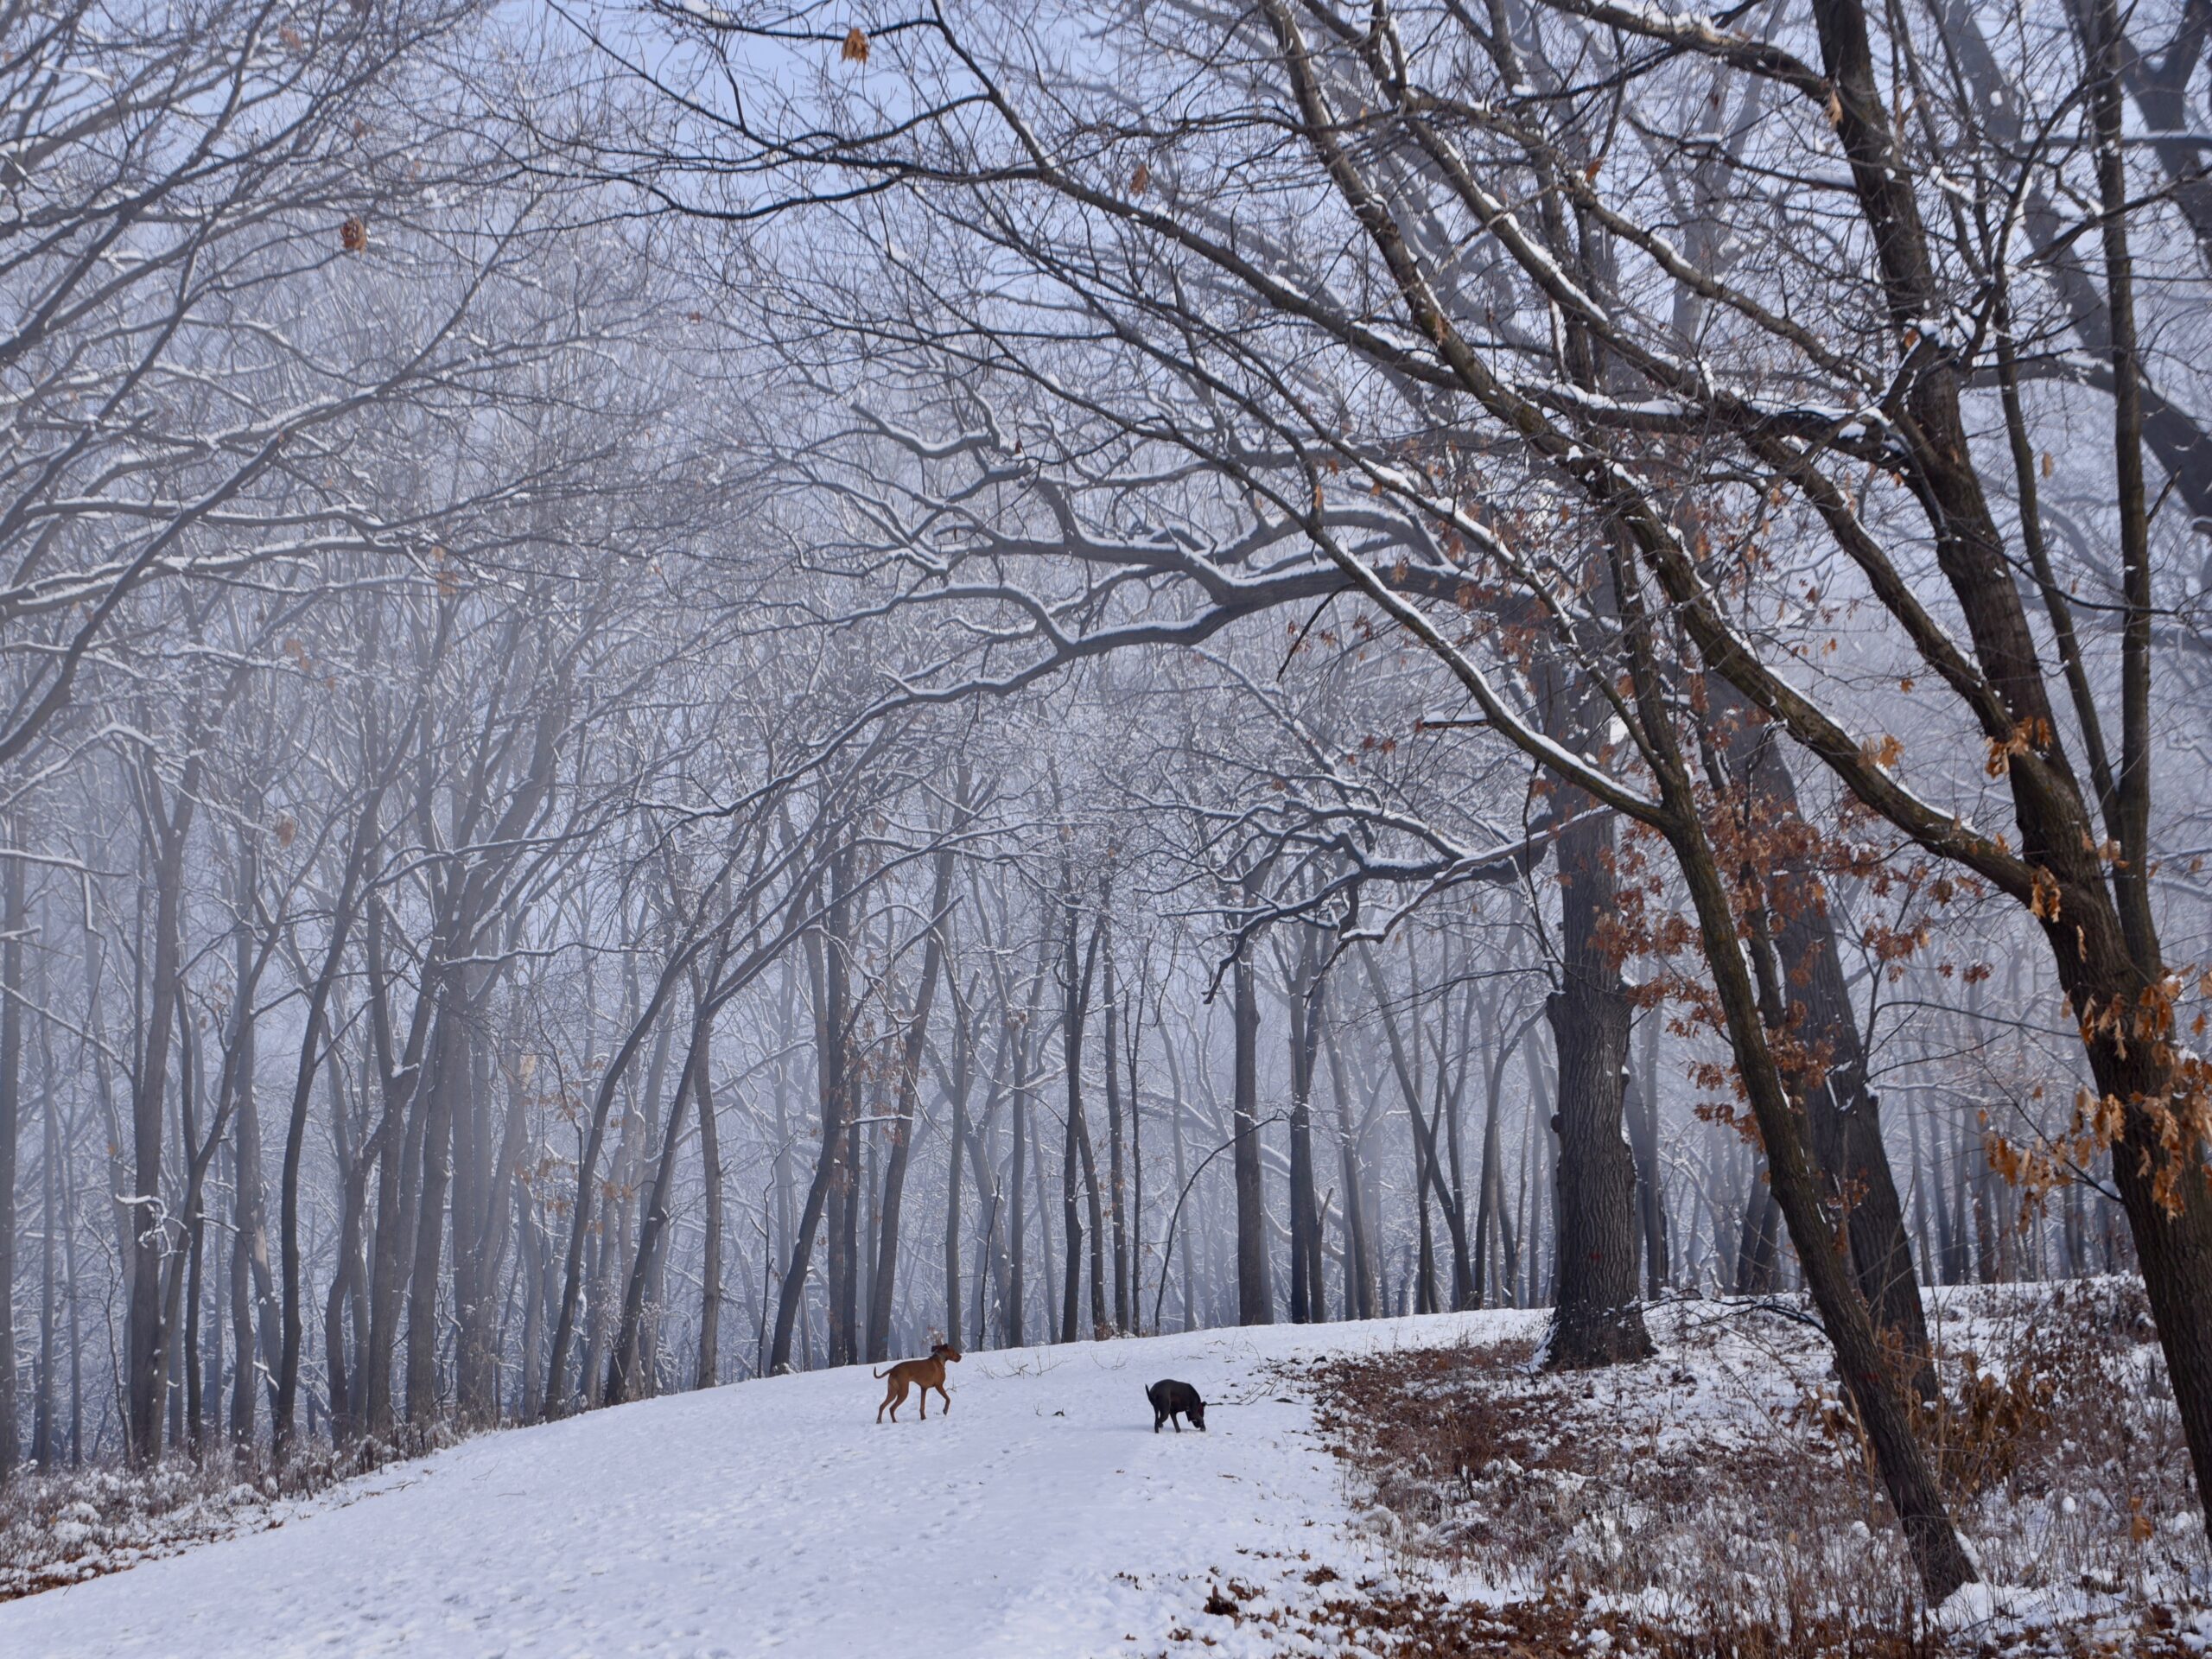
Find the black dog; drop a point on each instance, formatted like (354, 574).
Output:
(1171, 1400)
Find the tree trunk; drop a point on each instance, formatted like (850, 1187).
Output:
(1428, 1174)
(345, 1405)
(1360, 1290)
(1136, 1172)
(146, 1339)
(1908, 1474)
(1598, 1320)
(1844, 1117)
(825, 962)
(1099, 1317)
(13, 921)
(359, 848)
(450, 1065)
(1308, 1294)
(399, 1153)
(710, 1249)
(42, 1427)
(956, 1149)
(580, 1221)
(1017, 1109)
(626, 1378)
(1116, 1183)
(1640, 1105)
(902, 1127)
(1255, 1298)
(1075, 996)
(1758, 1242)
(1048, 1272)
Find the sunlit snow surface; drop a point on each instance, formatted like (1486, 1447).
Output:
(1042, 1518)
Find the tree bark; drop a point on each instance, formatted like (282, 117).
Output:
(146, 1339)
(1116, 1183)
(902, 1127)
(626, 1371)
(1829, 1059)
(311, 1058)
(42, 1427)
(1018, 1112)
(1360, 1291)
(825, 961)
(1076, 970)
(1428, 1174)
(1255, 1296)
(13, 922)
(708, 1372)
(1598, 1320)
(1308, 1294)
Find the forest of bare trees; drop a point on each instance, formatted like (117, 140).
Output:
(689, 690)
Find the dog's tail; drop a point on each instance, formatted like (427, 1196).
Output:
(879, 1376)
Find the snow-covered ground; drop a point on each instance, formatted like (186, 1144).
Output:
(1042, 1518)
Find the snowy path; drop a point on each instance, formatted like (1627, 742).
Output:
(776, 1516)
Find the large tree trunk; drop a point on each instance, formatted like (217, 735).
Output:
(1598, 1320)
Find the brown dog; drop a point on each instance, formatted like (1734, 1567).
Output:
(928, 1373)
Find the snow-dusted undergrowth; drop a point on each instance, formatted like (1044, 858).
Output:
(70, 1525)
(1721, 1492)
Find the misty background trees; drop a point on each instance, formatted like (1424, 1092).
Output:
(691, 690)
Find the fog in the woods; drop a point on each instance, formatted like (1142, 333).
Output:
(688, 692)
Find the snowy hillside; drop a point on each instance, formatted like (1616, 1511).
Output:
(1043, 1517)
